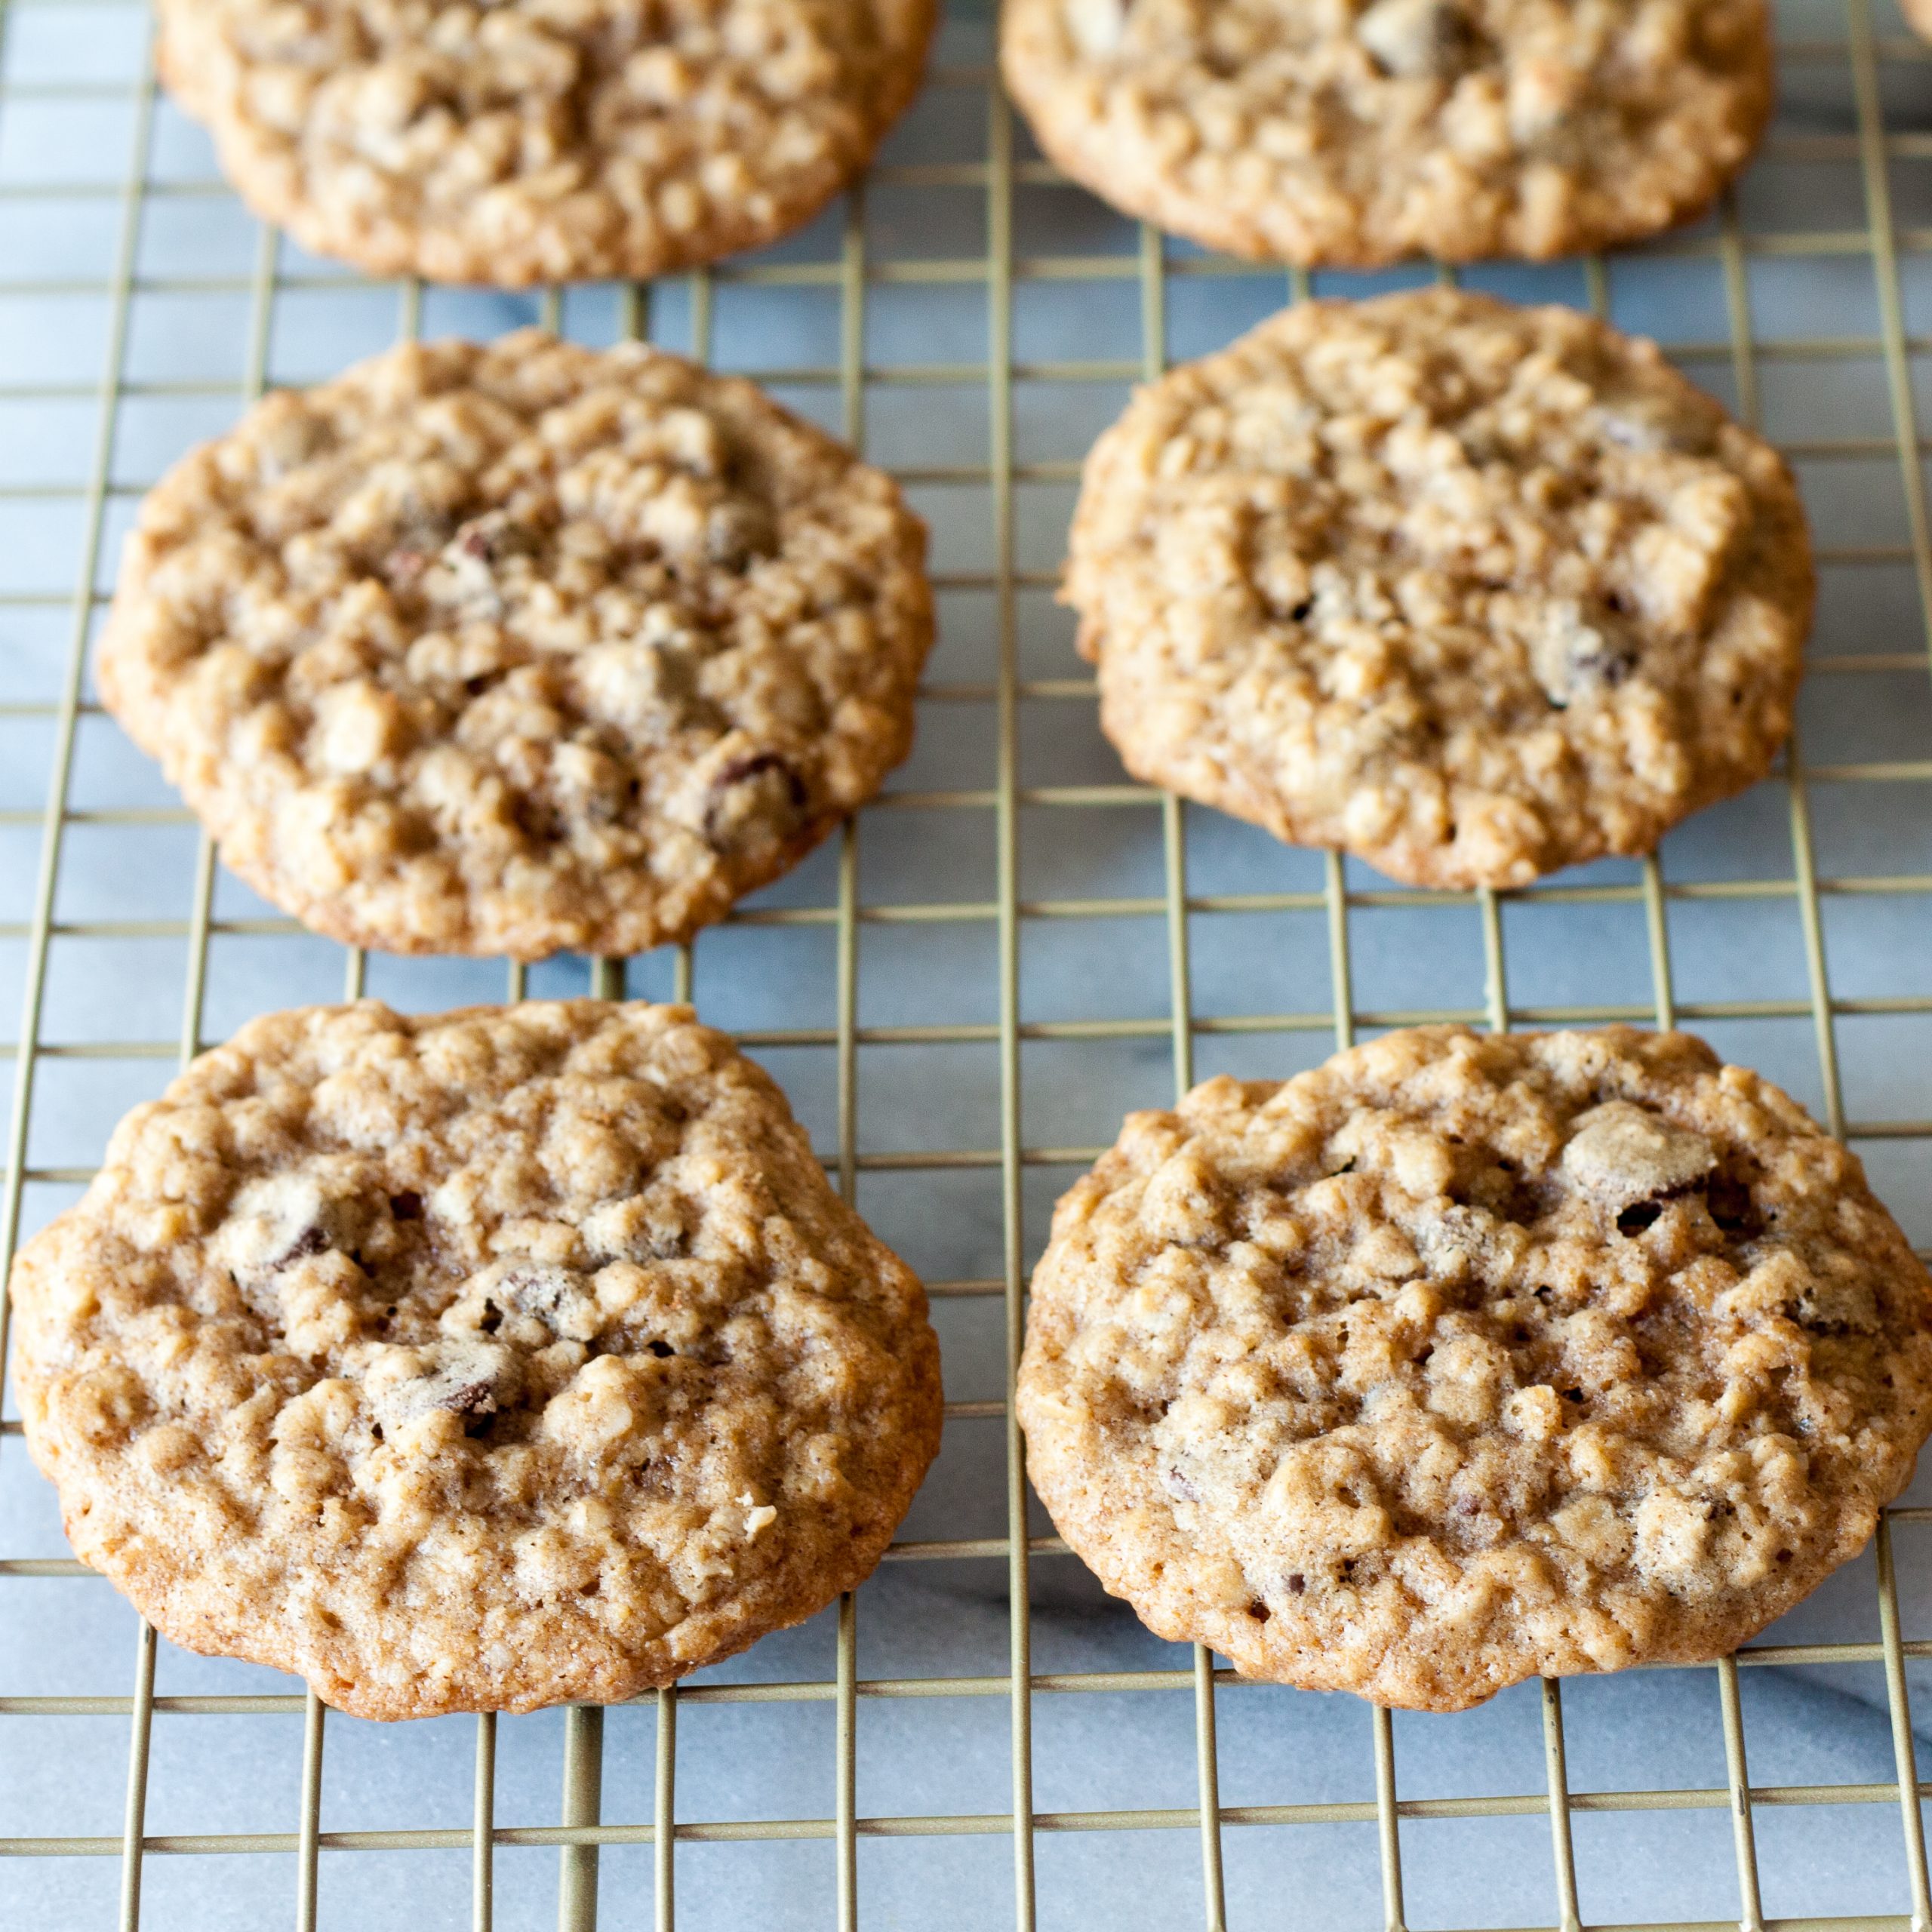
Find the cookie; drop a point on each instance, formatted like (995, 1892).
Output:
(1353, 132)
(476, 1361)
(515, 647)
(516, 141)
(1465, 1358)
(1470, 590)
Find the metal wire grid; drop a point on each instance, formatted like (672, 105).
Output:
(582, 1831)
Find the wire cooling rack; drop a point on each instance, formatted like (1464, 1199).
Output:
(962, 993)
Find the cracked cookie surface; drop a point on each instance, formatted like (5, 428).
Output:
(510, 142)
(1350, 133)
(481, 1360)
(1466, 1357)
(1470, 590)
(515, 647)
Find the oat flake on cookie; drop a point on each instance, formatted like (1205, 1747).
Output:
(515, 647)
(476, 1362)
(1464, 1357)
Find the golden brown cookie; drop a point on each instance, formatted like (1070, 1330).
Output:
(1468, 590)
(515, 141)
(1465, 1358)
(514, 647)
(1350, 133)
(473, 1362)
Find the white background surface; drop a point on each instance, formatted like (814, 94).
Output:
(188, 322)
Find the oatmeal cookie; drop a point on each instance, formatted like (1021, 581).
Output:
(476, 1361)
(1350, 133)
(511, 648)
(1465, 1358)
(1468, 590)
(516, 141)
